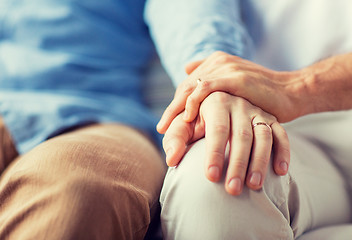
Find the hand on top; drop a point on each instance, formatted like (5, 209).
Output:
(270, 90)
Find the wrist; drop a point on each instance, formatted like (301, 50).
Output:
(296, 88)
(305, 89)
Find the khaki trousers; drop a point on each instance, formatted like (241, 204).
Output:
(97, 182)
(311, 202)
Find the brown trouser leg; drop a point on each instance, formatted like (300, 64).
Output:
(7, 149)
(98, 182)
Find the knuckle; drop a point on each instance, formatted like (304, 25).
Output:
(220, 97)
(241, 77)
(224, 58)
(218, 152)
(272, 118)
(261, 161)
(187, 88)
(236, 68)
(239, 165)
(237, 58)
(178, 90)
(220, 57)
(217, 54)
(204, 85)
(221, 129)
(242, 104)
(285, 151)
(191, 100)
(244, 134)
(216, 156)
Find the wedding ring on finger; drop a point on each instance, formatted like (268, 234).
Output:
(262, 123)
(199, 80)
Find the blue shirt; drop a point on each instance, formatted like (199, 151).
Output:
(188, 30)
(66, 63)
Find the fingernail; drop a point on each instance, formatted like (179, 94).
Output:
(255, 179)
(283, 166)
(214, 172)
(235, 185)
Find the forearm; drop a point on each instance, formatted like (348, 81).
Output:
(325, 85)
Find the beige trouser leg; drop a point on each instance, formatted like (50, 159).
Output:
(313, 195)
(98, 182)
(336, 232)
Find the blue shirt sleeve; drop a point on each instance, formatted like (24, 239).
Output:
(65, 64)
(184, 31)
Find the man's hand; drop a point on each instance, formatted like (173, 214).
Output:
(272, 91)
(225, 118)
(323, 86)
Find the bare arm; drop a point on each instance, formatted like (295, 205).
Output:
(323, 86)
(328, 85)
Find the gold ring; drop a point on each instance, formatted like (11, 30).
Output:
(262, 123)
(199, 80)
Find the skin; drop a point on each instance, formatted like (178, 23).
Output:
(222, 118)
(324, 86)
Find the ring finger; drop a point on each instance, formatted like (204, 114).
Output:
(261, 152)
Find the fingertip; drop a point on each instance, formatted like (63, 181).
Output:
(175, 152)
(213, 173)
(161, 127)
(171, 160)
(158, 128)
(165, 121)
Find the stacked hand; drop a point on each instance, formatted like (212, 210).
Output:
(217, 109)
(274, 92)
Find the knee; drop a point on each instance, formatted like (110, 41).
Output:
(195, 208)
(92, 155)
(84, 204)
(92, 184)
(58, 156)
(111, 211)
(105, 181)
